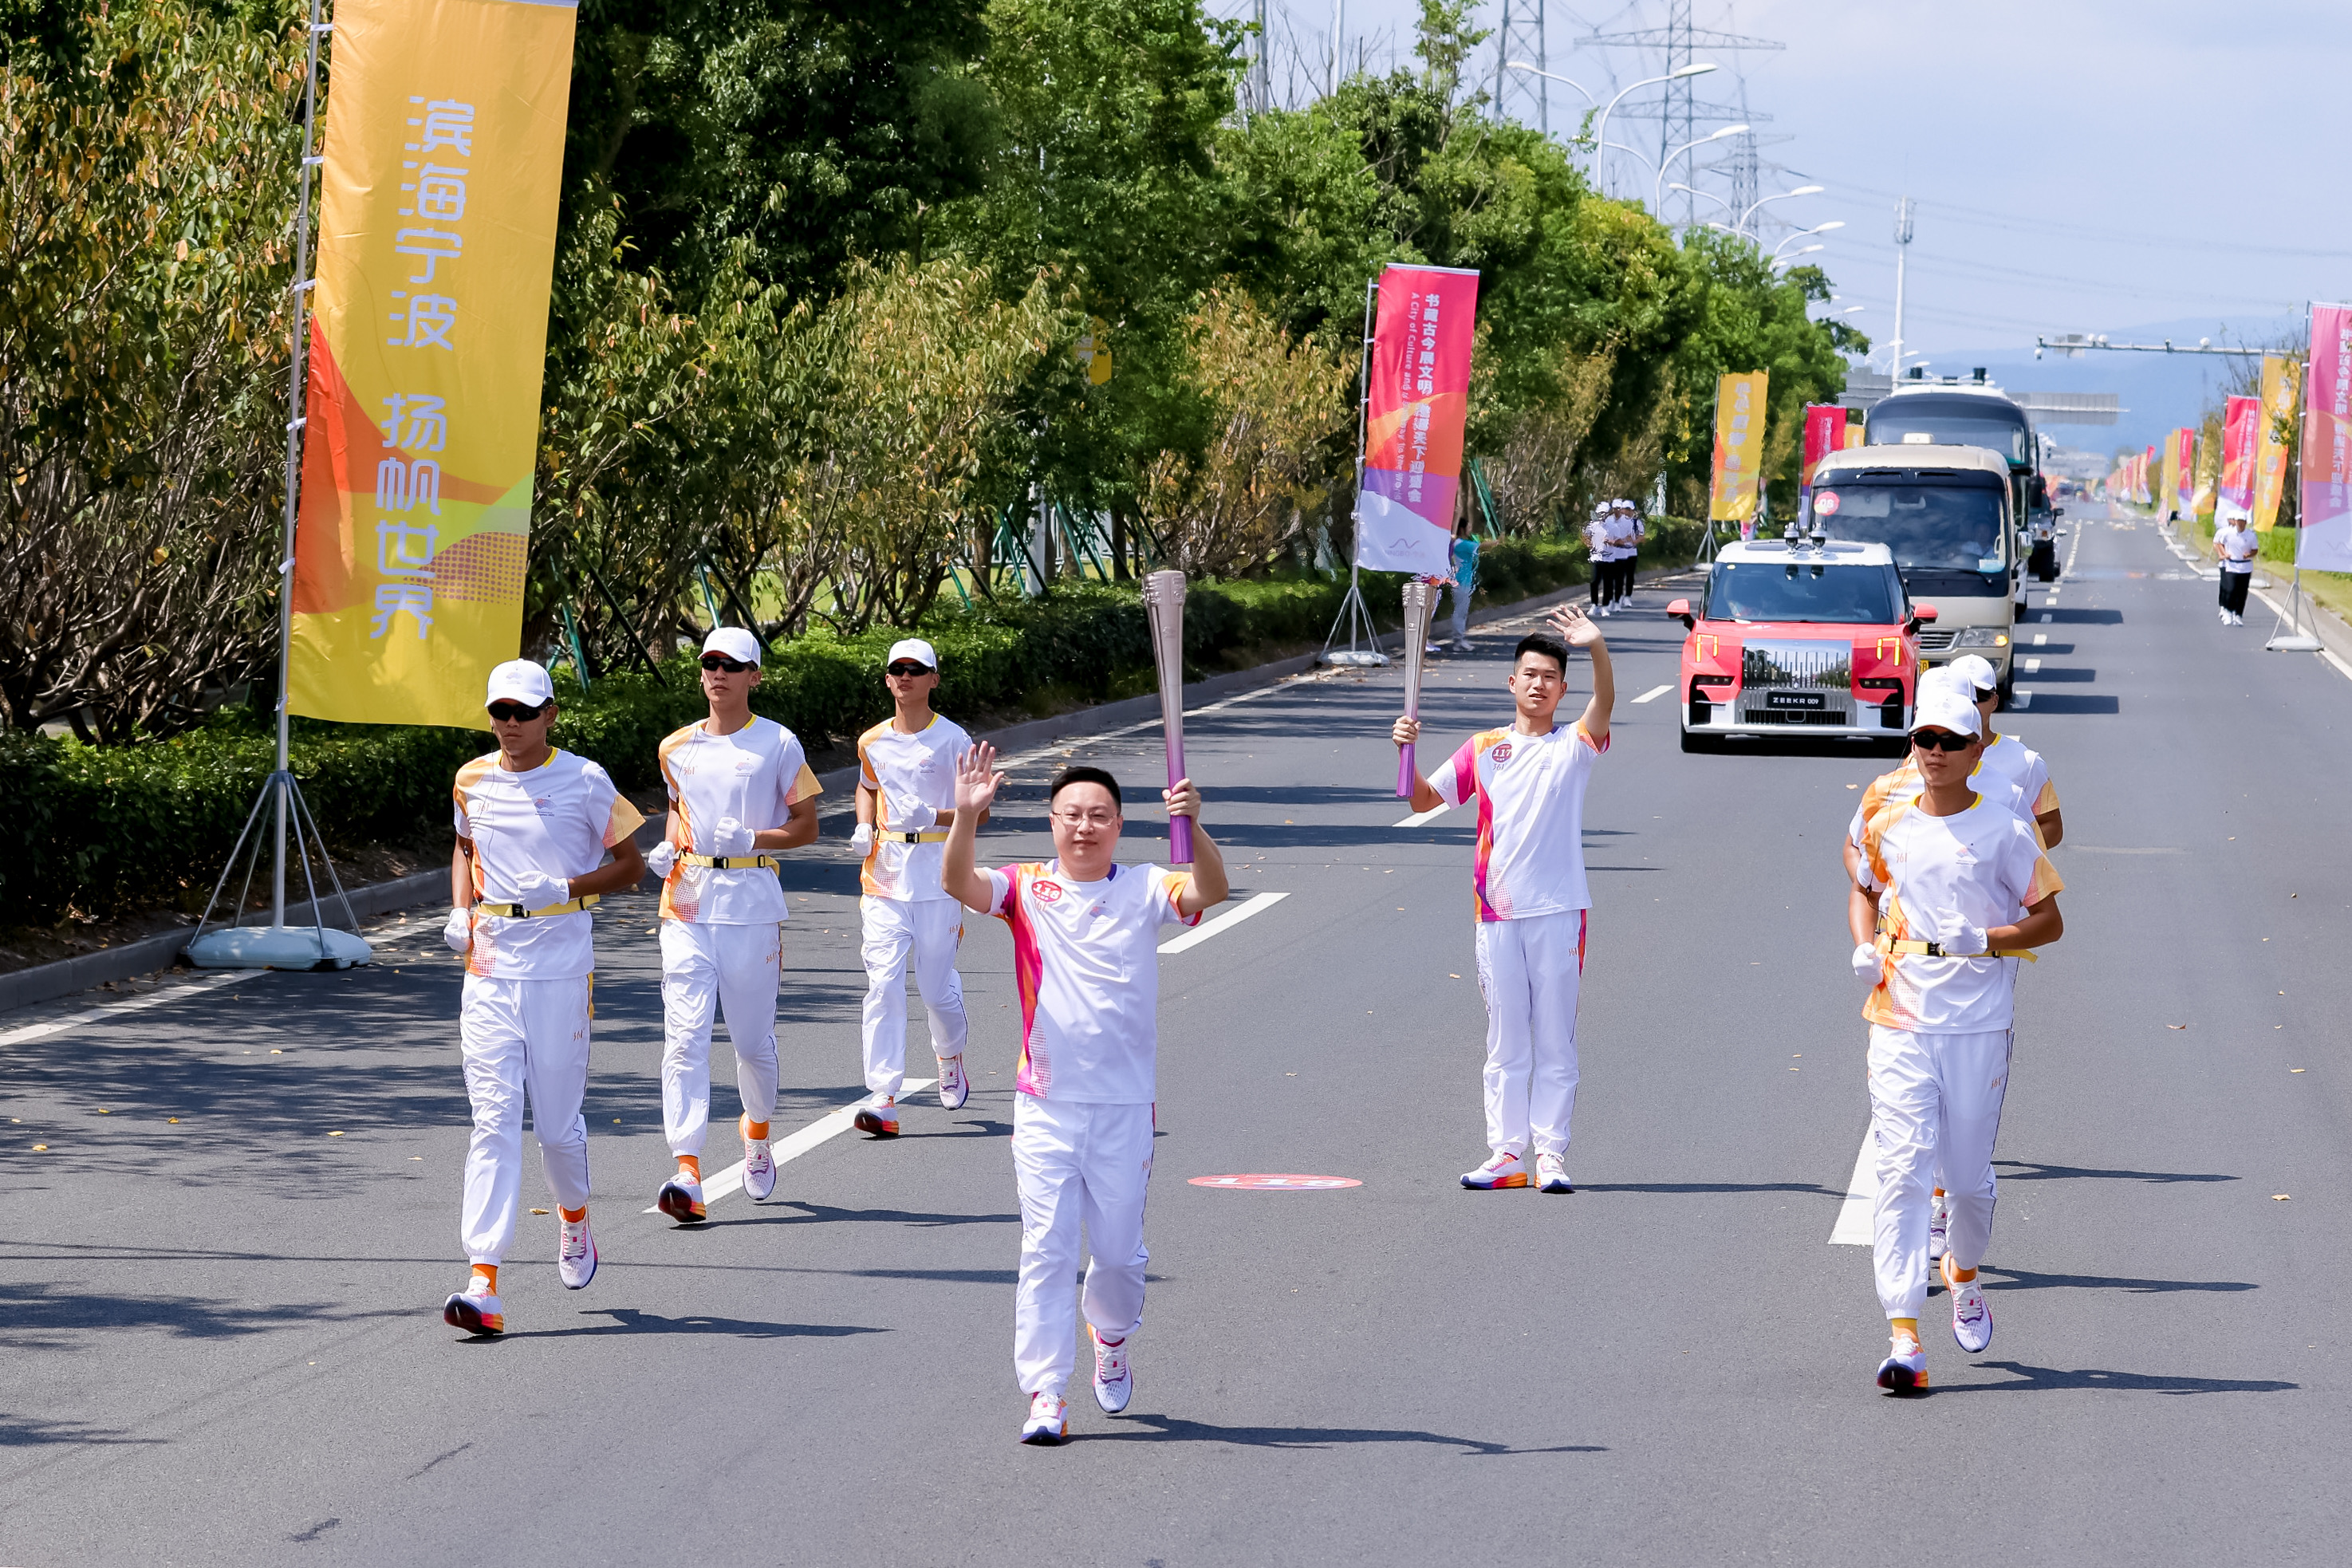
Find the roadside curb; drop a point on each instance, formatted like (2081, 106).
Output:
(47, 981)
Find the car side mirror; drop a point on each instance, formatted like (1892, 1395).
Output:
(1680, 610)
(1922, 613)
(2057, 511)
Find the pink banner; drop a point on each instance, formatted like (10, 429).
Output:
(2241, 420)
(1824, 433)
(2326, 541)
(1419, 396)
(2184, 474)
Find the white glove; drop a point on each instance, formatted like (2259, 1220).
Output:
(661, 857)
(459, 930)
(538, 890)
(863, 839)
(1866, 964)
(730, 837)
(1961, 939)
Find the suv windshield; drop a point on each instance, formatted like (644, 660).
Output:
(1802, 591)
(1930, 528)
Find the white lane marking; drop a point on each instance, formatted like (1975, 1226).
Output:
(2041, 639)
(1655, 692)
(832, 1124)
(2047, 616)
(1417, 818)
(1853, 1228)
(2031, 665)
(2020, 697)
(1231, 917)
(136, 1004)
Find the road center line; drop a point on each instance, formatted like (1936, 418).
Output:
(136, 1004)
(1417, 818)
(832, 1124)
(1853, 1228)
(1655, 692)
(1231, 917)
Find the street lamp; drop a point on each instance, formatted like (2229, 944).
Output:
(1601, 139)
(1549, 76)
(1807, 233)
(1710, 195)
(1780, 261)
(1658, 192)
(1777, 196)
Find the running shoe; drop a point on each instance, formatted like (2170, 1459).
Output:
(576, 1254)
(1505, 1169)
(882, 1120)
(1049, 1421)
(1114, 1379)
(759, 1165)
(1939, 1226)
(1552, 1173)
(1904, 1372)
(681, 1198)
(954, 1088)
(1433, 648)
(475, 1309)
(1971, 1318)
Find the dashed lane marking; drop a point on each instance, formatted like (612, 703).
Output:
(832, 1124)
(1853, 1228)
(1417, 818)
(173, 992)
(1231, 918)
(1655, 692)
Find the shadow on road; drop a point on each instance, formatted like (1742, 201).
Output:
(1174, 1429)
(1675, 1189)
(2042, 1379)
(2021, 1279)
(630, 1320)
(2034, 1171)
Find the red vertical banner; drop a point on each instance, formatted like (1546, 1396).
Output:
(2184, 471)
(2240, 427)
(1824, 433)
(1418, 399)
(2326, 541)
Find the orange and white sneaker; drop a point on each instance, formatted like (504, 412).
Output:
(1114, 1377)
(576, 1254)
(1505, 1169)
(475, 1309)
(954, 1088)
(1905, 1370)
(1552, 1173)
(759, 1162)
(681, 1198)
(1049, 1421)
(881, 1118)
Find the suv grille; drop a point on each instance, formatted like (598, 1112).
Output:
(1800, 716)
(1937, 642)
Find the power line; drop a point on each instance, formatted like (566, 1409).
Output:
(1983, 218)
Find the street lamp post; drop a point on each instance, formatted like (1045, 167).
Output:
(1808, 233)
(1549, 76)
(1710, 195)
(1776, 196)
(1778, 261)
(1658, 192)
(1600, 137)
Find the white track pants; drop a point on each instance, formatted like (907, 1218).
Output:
(519, 1036)
(1075, 1162)
(707, 969)
(928, 930)
(1529, 971)
(1933, 1098)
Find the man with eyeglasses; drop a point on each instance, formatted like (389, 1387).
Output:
(905, 802)
(1085, 935)
(740, 790)
(1527, 878)
(533, 829)
(1953, 890)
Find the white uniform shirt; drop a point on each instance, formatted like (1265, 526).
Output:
(1597, 545)
(1530, 792)
(1086, 959)
(913, 780)
(1981, 865)
(2009, 772)
(557, 820)
(754, 776)
(2237, 542)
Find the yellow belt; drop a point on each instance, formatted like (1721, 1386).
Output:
(730, 862)
(892, 836)
(1936, 949)
(517, 913)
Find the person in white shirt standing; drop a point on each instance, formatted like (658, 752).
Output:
(1086, 936)
(1528, 878)
(1953, 890)
(905, 802)
(2236, 543)
(534, 828)
(740, 790)
(1598, 553)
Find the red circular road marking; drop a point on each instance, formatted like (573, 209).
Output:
(1273, 1183)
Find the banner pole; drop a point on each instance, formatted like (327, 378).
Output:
(2297, 640)
(1352, 608)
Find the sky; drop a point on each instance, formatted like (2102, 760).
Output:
(2138, 169)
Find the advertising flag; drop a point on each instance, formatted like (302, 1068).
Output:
(2325, 543)
(1824, 433)
(2147, 475)
(436, 238)
(2184, 471)
(1738, 448)
(2240, 419)
(1419, 396)
(2167, 475)
(2282, 385)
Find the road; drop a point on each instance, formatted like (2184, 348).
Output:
(222, 1344)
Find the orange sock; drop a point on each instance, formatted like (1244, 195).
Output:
(755, 1130)
(1904, 1329)
(1956, 1274)
(692, 1165)
(1940, 1191)
(488, 1274)
(573, 1217)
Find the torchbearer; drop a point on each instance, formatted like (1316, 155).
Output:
(906, 801)
(1953, 890)
(739, 790)
(533, 827)
(1086, 958)
(1532, 901)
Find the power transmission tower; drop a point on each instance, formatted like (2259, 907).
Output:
(1680, 42)
(1522, 95)
(1260, 90)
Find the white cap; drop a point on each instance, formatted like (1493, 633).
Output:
(915, 648)
(1978, 672)
(734, 642)
(1944, 705)
(520, 680)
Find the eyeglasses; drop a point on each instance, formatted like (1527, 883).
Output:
(1941, 740)
(1085, 819)
(515, 712)
(905, 670)
(720, 661)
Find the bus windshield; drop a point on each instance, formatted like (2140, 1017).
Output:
(1802, 591)
(1930, 528)
(1892, 424)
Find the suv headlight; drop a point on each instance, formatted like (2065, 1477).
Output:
(1982, 636)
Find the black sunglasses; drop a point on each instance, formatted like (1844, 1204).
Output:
(1941, 740)
(514, 712)
(720, 661)
(904, 669)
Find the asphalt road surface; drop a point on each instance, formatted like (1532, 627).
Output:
(221, 1341)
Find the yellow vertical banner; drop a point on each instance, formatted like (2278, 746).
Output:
(2167, 478)
(1738, 446)
(2282, 391)
(436, 239)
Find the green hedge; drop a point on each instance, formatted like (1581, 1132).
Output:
(96, 830)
